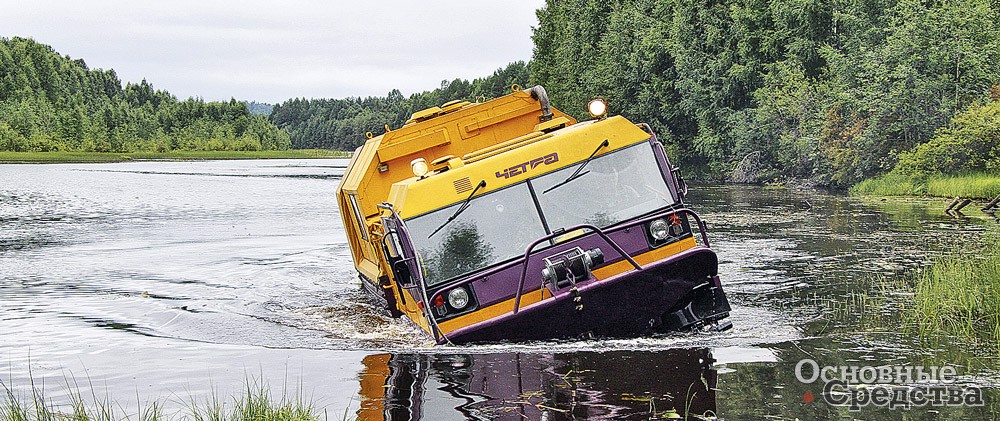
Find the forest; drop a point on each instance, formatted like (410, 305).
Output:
(341, 123)
(50, 102)
(829, 91)
(833, 91)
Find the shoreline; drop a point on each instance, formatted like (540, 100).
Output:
(113, 157)
(970, 186)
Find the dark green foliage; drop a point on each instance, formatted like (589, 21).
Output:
(50, 102)
(834, 91)
(342, 123)
(831, 90)
(970, 143)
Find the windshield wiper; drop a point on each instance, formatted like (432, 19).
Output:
(577, 174)
(465, 205)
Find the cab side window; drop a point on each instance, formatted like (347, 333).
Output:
(359, 219)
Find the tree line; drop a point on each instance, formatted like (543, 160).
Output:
(833, 91)
(50, 102)
(342, 123)
(829, 90)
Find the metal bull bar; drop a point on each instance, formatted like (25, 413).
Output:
(702, 229)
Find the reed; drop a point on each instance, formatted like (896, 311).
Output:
(982, 186)
(254, 403)
(956, 297)
(973, 186)
(890, 185)
(960, 295)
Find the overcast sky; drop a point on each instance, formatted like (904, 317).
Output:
(270, 51)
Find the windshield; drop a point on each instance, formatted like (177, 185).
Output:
(614, 187)
(495, 227)
(498, 226)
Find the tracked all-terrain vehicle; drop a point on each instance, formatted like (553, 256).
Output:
(509, 220)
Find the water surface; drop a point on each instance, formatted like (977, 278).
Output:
(172, 280)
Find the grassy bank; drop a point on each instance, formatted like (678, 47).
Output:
(76, 157)
(953, 302)
(254, 403)
(890, 185)
(960, 295)
(982, 186)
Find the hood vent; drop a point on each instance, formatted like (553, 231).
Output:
(462, 185)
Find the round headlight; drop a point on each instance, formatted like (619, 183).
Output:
(419, 167)
(659, 229)
(458, 298)
(597, 108)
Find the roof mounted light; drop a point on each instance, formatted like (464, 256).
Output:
(419, 167)
(597, 108)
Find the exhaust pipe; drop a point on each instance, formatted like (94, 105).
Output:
(538, 92)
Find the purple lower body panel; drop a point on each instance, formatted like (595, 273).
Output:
(674, 294)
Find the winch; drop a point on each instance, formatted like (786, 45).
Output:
(571, 267)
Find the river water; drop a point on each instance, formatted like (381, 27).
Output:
(174, 281)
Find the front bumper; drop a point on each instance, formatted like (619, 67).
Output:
(678, 293)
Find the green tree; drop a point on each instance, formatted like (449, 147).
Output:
(54, 102)
(970, 143)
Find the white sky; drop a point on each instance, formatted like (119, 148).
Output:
(270, 51)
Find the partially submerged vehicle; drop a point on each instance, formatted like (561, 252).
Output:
(509, 220)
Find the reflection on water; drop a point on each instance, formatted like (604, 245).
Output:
(582, 385)
(167, 278)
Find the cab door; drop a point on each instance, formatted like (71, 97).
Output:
(409, 275)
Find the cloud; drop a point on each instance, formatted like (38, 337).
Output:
(271, 51)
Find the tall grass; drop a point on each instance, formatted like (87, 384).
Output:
(960, 295)
(874, 307)
(254, 403)
(890, 185)
(957, 297)
(982, 186)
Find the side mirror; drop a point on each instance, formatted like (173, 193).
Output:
(682, 187)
